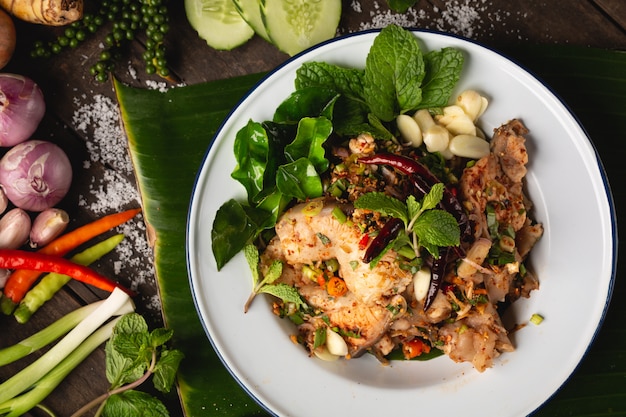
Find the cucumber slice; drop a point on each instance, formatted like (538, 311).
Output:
(250, 11)
(218, 23)
(295, 25)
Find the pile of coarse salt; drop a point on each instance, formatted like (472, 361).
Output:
(468, 18)
(99, 119)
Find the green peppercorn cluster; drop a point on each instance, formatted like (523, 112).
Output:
(128, 19)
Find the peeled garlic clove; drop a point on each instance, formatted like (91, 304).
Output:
(14, 229)
(409, 130)
(469, 146)
(421, 283)
(436, 138)
(322, 353)
(472, 103)
(424, 120)
(48, 224)
(335, 344)
(456, 121)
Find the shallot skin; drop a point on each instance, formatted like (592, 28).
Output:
(35, 175)
(22, 108)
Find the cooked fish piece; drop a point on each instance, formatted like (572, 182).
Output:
(306, 239)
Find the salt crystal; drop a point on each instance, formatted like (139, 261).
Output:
(114, 187)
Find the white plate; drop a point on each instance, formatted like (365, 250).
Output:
(575, 263)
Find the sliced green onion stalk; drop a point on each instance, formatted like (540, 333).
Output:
(118, 303)
(536, 319)
(46, 336)
(21, 404)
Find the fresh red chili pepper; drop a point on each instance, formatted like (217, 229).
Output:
(20, 259)
(388, 233)
(364, 241)
(414, 347)
(21, 280)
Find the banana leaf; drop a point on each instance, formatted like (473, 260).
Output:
(169, 133)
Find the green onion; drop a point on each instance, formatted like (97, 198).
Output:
(116, 304)
(536, 319)
(339, 215)
(21, 404)
(46, 336)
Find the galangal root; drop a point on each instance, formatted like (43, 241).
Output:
(45, 12)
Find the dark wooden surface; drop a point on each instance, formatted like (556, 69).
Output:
(69, 89)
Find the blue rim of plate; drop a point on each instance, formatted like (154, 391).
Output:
(270, 74)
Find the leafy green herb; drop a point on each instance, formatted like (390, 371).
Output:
(265, 285)
(394, 71)
(384, 204)
(282, 159)
(345, 81)
(320, 337)
(133, 355)
(433, 227)
(443, 70)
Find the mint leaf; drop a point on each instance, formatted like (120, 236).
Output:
(413, 206)
(166, 368)
(251, 253)
(443, 70)
(433, 197)
(159, 337)
(134, 403)
(345, 81)
(382, 203)
(285, 292)
(117, 367)
(437, 227)
(394, 71)
(273, 273)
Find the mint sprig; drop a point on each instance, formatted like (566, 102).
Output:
(286, 293)
(432, 227)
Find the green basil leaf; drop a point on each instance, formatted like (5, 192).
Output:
(311, 135)
(251, 150)
(299, 179)
(232, 229)
(307, 102)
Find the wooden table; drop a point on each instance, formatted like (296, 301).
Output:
(78, 119)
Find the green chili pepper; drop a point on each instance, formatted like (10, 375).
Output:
(51, 283)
